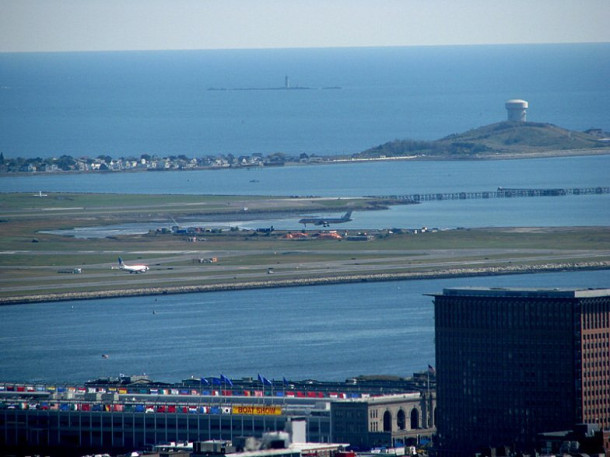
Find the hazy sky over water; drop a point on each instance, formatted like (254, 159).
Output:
(96, 25)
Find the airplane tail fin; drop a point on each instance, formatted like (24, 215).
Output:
(120, 261)
(348, 214)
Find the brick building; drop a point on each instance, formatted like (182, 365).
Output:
(513, 363)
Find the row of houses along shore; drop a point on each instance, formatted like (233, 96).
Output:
(145, 162)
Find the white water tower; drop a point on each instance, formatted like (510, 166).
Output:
(516, 110)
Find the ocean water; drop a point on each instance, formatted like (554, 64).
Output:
(131, 103)
(323, 332)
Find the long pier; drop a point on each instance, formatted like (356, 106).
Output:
(501, 192)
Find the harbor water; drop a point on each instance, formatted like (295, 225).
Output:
(329, 332)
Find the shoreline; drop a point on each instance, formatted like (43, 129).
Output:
(337, 160)
(279, 283)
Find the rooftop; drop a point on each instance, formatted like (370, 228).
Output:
(523, 292)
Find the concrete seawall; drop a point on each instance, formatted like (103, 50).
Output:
(438, 274)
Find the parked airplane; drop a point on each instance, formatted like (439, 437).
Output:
(132, 268)
(326, 221)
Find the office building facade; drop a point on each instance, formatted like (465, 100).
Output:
(513, 363)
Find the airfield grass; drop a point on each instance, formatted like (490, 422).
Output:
(58, 200)
(54, 250)
(30, 248)
(137, 205)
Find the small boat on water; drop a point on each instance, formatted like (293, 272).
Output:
(105, 356)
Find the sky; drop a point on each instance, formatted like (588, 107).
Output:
(105, 25)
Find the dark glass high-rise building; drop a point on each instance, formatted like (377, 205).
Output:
(511, 363)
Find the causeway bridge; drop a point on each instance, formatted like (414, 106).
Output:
(501, 192)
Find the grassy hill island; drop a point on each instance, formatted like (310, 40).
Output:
(508, 139)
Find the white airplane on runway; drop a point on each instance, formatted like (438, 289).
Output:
(132, 268)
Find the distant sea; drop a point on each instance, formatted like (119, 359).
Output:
(131, 103)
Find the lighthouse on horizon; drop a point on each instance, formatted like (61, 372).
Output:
(516, 110)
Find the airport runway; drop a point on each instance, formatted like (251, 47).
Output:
(176, 268)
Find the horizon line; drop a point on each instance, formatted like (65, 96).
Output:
(271, 48)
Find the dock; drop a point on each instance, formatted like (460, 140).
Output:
(501, 192)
